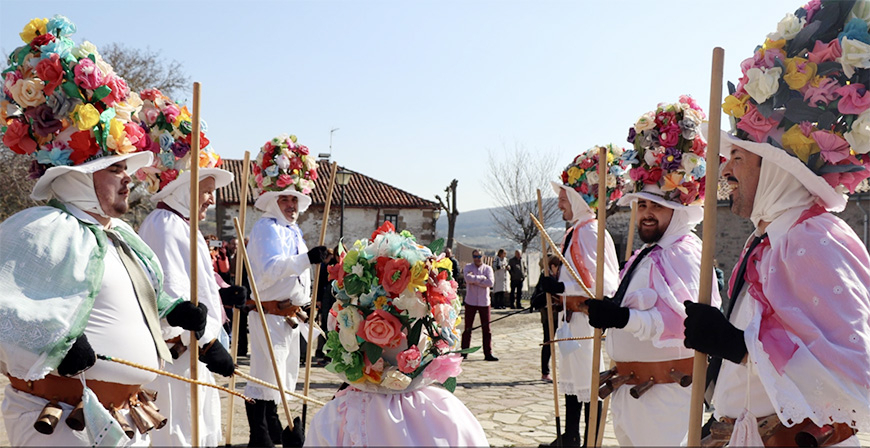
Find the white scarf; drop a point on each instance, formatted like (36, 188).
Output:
(179, 200)
(273, 211)
(678, 227)
(579, 208)
(77, 188)
(778, 191)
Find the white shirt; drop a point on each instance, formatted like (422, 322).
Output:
(279, 261)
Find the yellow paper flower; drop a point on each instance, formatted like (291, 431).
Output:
(419, 275)
(674, 181)
(33, 28)
(381, 302)
(117, 139)
(574, 175)
(798, 72)
(802, 146)
(443, 263)
(184, 115)
(736, 107)
(85, 116)
(772, 44)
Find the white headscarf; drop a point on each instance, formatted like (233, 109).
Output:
(680, 225)
(179, 200)
(778, 191)
(272, 210)
(77, 188)
(579, 208)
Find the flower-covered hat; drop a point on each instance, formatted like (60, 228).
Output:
(581, 175)
(668, 158)
(283, 167)
(397, 315)
(63, 104)
(168, 127)
(802, 102)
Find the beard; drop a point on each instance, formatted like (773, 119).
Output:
(650, 235)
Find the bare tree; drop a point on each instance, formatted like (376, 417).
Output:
(512, 182)
(450, 208)
(146, 69)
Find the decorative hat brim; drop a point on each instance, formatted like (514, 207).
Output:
(263, 200)
(695, 212)
(135, 160)
(222, 178)
(817, 185)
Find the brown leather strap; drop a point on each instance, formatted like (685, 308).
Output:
(658, 372)
(276, 307)
(783, 436)
(575, 303)
(69, 390)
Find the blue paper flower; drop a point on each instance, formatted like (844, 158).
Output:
(60, 26)
(856, 29)
(55, 157)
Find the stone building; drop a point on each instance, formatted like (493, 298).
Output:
(367, 204)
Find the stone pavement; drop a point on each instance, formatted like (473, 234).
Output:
(512, 404)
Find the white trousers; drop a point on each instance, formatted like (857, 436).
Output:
(285, 343)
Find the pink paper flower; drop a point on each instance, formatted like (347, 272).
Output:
(825, 52)
(444, 367)
(396, 276)
(834, 148)
(854, 99)
(136, 135)
(409, 359)
(87, 75)
(669, 135)
(823, 94)
(756, 125)
(170, 112)
(382, 329)
(284, 180)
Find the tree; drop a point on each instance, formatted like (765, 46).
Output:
(512, 182)
(142, 69)
(450, 208)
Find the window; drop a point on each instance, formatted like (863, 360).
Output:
(392, 218)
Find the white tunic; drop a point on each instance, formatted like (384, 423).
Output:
(169, 237)
(281, 269)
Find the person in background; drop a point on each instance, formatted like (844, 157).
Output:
(538, 302)
(518, 274)
(478, 280)
(500, 287)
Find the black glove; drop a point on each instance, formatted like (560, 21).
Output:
(218, 359)
(316, 255)
(189, 316)
(552, 286)
(606, 314)
(79, 358)
(708, 331)
(234, 296)
(293, 437)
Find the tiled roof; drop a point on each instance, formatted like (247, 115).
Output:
(362, 191)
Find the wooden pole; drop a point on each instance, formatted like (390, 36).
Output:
(558, 254)
(194, 256)
(599, 289)
(312, 318)
(699, 370)
(237, 314)
(545, 265)
(243, 252)
(628, 251)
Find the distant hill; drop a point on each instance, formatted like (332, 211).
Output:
(476, 228)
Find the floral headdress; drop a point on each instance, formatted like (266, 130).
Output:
(397, 315)
(804, 93)
(169, 127)
(62, 102)
(281, 164)
(582, 174)
(669, 150)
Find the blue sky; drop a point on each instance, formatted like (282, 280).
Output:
(422, 90)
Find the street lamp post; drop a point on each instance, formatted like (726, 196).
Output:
(342, 178)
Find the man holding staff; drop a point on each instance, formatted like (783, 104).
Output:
(167, 231)
(793, 344)
(649, 387)
(283, 177)
(578, 195)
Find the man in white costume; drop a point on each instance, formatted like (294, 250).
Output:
(580, 247)
(280, 265)
(167, 231)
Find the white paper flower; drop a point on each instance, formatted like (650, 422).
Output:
(859, 136)
(856, 54)
(409, 302)
(395, 380)
(762, 83)
(348, 340)
(788, 27)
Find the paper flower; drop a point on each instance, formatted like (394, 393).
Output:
(281, 164)
(582, 173)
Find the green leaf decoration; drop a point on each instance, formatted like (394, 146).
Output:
(101, 92)
(450, 384)
(72, 90)
(372, 351)
(414, 334)
(437, 246)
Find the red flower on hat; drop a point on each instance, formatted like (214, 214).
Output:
(84, 147)
(386, 227)
(17, 139)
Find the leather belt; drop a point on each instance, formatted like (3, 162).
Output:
(277, 307)
(805, 433)
(69, 390)
(575, 303)
(658, 372)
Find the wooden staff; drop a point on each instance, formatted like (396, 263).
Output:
(599, 287)
(551, 330)
(558, 254)
(628, 251)
(237, 314)
(194, 258)
(699, 370)
(243, 252)
(312, 318)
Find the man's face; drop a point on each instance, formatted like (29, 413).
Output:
(517, 254)
(565, 205)
(478, 260)
(448, 253)
(232, 244)
(653, 220)
(111, 188)
(289, 206)
(741, 173)
(206, 195)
